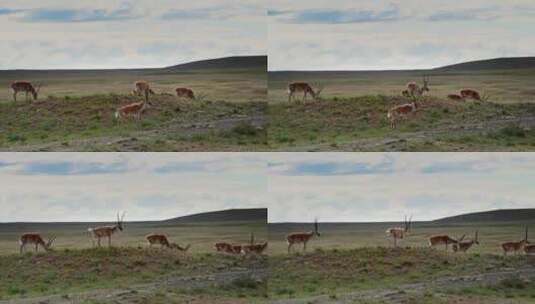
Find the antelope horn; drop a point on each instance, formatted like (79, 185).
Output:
(316, 225)
(122, 216)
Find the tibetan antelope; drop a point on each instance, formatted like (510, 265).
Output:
(36, 239)
(142, 88)
(302, 237)
(472, 94)
(443, 240)
(106, 231)
(414, 90)
(515, 247)
(463, 246)
(305, 88)
(401, 111)
(26, 87)
(162, 240)
(254, 248)
(223, 247)
(455, 97)
(400, 232)
(185, 93)
(133, 109)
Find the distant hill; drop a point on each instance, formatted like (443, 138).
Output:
(230, 215)
(502, 215)
(239, 62)
(491, 64)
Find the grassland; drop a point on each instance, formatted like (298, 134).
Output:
(76, 270)
(350, 262)
(351, 115)
(75, 110)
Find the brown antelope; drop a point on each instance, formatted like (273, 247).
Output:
(399, 112)
(302, 237)
(254, 248)
(36, 239)
(302, 87)
(455, 97)
(472, 94)
(223, 247)
(161, 239)
(443, 240)
(414, 90)
(142, 88)
(400, 232)
(515, 247)
(26, 87)
(133, 109)
(463, 246)
(184, 93)
(106, 231)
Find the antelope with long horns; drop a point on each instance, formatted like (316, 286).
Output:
(516, 247)
(26, 87)
(35, 239)
(398, 112)
(398, 233)
(106, 231)
(414, 90)
(463, 246)
(443, 240)
(305, 88)
(302, 237)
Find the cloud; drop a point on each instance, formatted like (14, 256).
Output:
(458, 167)
(78, 15)
(332, 168)
(8, 11)
(336, 16)
(72, 168)
(479, 14)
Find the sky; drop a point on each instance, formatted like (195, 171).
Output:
(66, 34)
(295, 187)
(395, 34)
(64, 187)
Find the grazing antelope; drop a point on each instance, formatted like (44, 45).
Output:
(515, 246)
(254, 248)
(223, 247)
(455, 97)
(399, 112)
(473, 94)
(302, 237)
(302, 87)
(398, 232)
(133, 109)
(443, 240)
(36, 239)
(161, 239)
(463, 246)
(142, 88)
(26, 87)
(414, 90)
(185, 93)
(106, 231)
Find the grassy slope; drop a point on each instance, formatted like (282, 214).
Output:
(69, 119)
(68, 271)
(337, 121)
(335, 271)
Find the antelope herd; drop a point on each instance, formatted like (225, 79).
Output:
(136, 109)
(413, 91)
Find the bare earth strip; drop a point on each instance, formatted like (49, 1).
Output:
(389, 143)
(399, 294)
(124, 295)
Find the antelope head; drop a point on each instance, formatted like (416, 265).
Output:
(426, 84)
(48, 245)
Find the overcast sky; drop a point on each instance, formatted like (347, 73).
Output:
(128, 33)
(148, 186)
(396, 34)
(294, 186)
